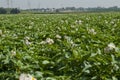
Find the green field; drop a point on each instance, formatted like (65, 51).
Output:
(82, 46)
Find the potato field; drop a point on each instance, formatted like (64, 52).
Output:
(83, 46)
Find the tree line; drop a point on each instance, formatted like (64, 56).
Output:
(57, 10)
(74, 9)
(9, 11)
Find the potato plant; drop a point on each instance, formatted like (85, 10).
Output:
(60, 46)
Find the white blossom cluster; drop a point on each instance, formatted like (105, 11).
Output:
(47, 41)
(27, 42)
(78, 22)
(26, 77)
(69, 40)
(13, 52)
(58, 36)
(72, 26)
(92, 31)
(110, 47)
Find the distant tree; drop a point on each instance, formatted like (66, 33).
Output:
(57, 11)
(15, 11)
(70, 8)
(3, 11)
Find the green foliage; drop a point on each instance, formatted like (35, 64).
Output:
(15, 11)
(60, 46)
(3, 11)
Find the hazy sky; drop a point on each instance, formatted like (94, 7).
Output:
(23, 4)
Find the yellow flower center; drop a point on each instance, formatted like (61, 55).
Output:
(33, 78)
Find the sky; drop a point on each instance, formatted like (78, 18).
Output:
(26, 4)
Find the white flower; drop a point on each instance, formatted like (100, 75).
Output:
(45, 62)
(91, 31)
(87, 18)
(49, 41)
(69, 40)
(112, 22)
(106, 21)
(78, 22)
(26, 77)
(15, 36)
(58, 36)
(0, 32)
(32, 23)
(67, 37)
(109, 48)
(13, 52)
(72, 26)
(27, 42)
